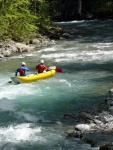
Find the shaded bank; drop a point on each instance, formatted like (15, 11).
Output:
(94, 125)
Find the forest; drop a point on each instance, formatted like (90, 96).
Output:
(23, 19)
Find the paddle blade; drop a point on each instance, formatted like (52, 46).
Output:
(58, 70)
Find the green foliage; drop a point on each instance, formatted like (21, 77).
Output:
(41, 9)
(104, 6)
(101, 7)
(54, 7)
(18, 20)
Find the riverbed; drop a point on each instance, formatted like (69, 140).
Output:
(32, 114)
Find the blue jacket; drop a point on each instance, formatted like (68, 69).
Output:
(21, 70)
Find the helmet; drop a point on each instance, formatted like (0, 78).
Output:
(42, 61)
(23, 63)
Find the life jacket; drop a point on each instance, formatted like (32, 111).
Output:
(41, 68)
(21, 71)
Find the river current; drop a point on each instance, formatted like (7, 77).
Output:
(31, 114)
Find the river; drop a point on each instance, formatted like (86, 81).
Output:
(31, 114)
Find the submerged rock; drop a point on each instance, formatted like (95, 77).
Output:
(83, 127)
(106, 146)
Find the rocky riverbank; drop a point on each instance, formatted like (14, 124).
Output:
(9, 47)
(94, 125)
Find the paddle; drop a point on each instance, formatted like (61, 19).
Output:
(58, 70)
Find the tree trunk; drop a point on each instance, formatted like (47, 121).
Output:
(79, 7)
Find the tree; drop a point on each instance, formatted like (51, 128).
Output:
(19, 19)
(16, 20)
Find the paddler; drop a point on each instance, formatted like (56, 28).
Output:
(42, 67)
(22, 69)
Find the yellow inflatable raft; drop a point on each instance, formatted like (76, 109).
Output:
(34, 77)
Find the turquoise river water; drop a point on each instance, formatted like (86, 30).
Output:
(31, 114)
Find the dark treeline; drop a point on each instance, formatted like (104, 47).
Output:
(23, 19)
(65, 10)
